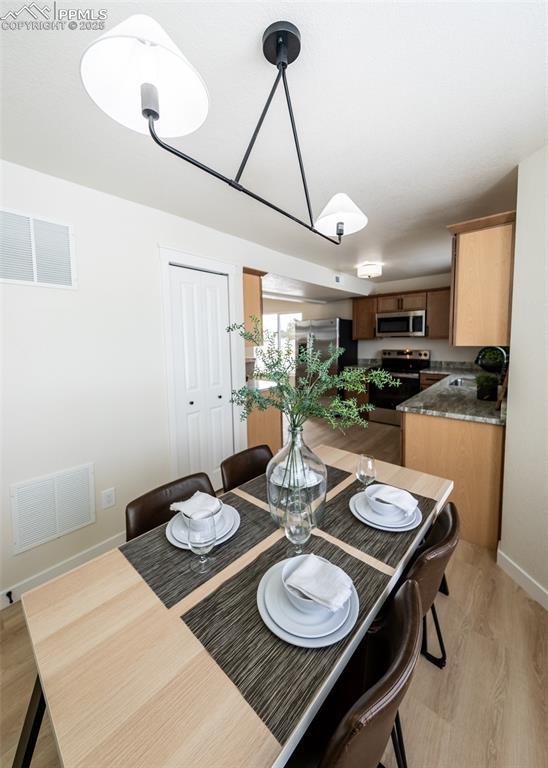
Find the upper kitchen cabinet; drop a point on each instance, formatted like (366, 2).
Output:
(253, 299)
(401, 302)
(363, 317)
(482, 269)
(437, 313)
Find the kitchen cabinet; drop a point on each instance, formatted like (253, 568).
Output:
(401, 302)
(471, 454)
(481, 285)
(363, 317)
(253, 300)
(265, 427)
(388, 303)
(427, 379)
(438, 305)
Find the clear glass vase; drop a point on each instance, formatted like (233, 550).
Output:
(296, 476)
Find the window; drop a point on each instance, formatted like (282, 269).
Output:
(282, 326)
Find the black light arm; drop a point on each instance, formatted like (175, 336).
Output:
(232, 183)
(281, 46)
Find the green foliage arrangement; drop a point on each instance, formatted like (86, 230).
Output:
(487, 380)
(493, 355)
(309, 395)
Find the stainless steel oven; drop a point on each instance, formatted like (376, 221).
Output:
(400, 324)
(405, 365)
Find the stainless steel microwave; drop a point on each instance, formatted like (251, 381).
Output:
(400, 323)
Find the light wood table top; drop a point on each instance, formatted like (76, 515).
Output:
(126, 681)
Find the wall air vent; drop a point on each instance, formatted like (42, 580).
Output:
(48, 507)
(35, 251)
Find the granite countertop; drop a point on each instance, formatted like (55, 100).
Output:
(259, 384)
(442, 399)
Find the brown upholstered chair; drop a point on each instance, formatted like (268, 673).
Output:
(427, 568)
(152, 508)
(360, 738)
(244, 466)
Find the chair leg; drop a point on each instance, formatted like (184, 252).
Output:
(444, 588)
(401, 742)
(31, 727)
(439, 661)
(397, 748)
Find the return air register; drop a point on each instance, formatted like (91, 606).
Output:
(50, 506)
(35, 251)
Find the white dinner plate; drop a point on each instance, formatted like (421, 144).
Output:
(318, 623)
(179, 526)
(415, 521)
(176, 543)
(364, 510)
(305, 642)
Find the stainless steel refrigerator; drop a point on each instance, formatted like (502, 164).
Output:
(336, 331)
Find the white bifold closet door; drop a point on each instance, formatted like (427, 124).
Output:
(201, 368)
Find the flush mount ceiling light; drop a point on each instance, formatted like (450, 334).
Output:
(136, 74)
(370, 269)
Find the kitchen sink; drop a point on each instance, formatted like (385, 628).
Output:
(463, 381)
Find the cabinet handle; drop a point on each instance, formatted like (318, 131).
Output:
(191, 402)
(219, 396)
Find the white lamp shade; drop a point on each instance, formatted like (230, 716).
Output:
(340, 208)
(138, 51)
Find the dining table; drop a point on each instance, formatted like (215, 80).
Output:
(144, 663)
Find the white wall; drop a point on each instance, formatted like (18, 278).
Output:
(440, 348)
(523, 548)
(83, 371)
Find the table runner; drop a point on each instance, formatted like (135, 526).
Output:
(386, 546)
(166, 569)
(257, 486)
(277, 679)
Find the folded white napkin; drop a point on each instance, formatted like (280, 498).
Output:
(395, 496)
(323, 582)
(199, 505)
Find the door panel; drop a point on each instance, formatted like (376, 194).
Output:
(388, 303)
(201, 369)
(411, 301)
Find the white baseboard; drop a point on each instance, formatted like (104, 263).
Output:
(521, 577)
(57, 570)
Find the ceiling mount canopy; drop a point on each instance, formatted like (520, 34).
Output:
(138, 76)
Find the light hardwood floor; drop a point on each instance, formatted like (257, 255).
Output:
(379, 440)
(487, 709)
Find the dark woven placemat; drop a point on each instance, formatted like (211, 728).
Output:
(277, 679)
(388, 547)
(257, 486)
(166, 569)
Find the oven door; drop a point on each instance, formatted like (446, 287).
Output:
(401, 324)
(390, 397)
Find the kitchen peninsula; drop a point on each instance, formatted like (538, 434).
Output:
(446, 429)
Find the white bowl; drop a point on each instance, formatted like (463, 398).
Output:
(382, 507)
(295, 597)
(216, 515)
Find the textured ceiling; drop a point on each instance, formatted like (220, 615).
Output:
(419, 111)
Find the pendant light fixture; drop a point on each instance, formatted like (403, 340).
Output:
(138, 76)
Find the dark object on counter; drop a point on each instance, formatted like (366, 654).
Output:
(487, 386)
(494, 360)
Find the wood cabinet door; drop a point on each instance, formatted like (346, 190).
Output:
(437, 314)
(253, 301)
(482, 287)
(388, 303)
(363, 318)
(411, 301)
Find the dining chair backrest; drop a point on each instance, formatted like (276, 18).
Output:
(244, 466)
(361, 737)
(430, 561)
(152, 508)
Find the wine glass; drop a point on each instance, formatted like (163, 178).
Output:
(298, 526)
(201, 540)
(366, 471)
